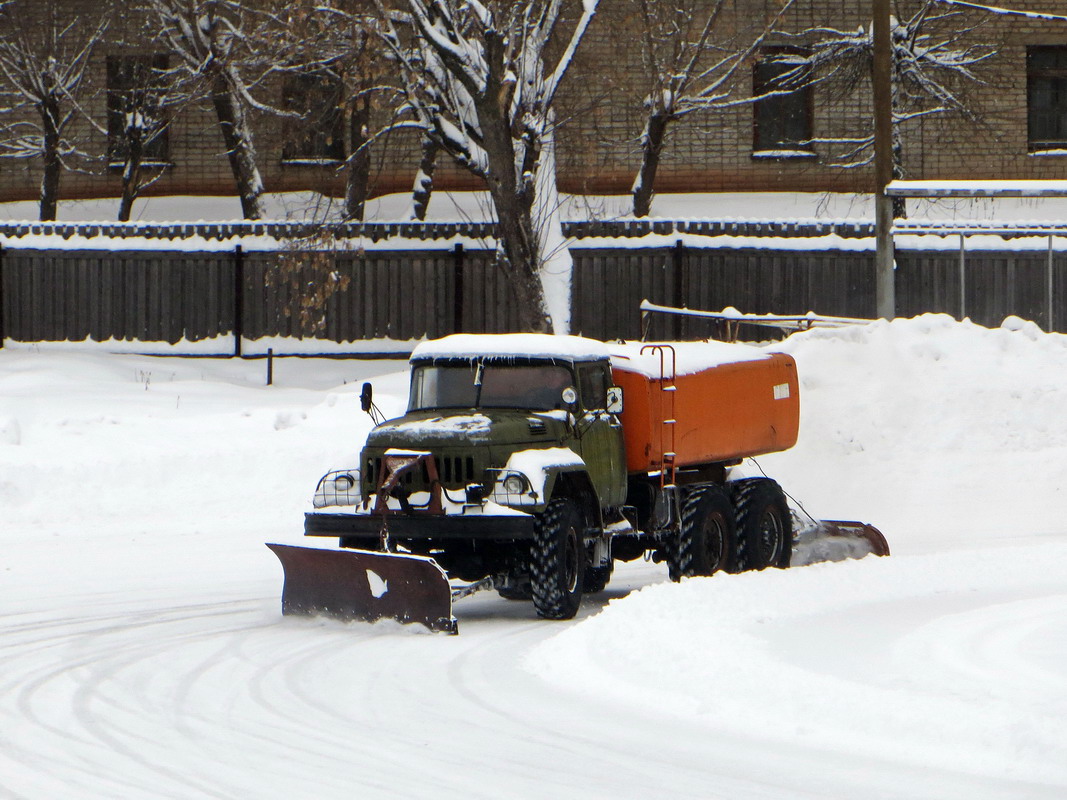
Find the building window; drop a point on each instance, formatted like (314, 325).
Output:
(1046, 98)
(317, 135)
(136, 118)
(782, 119)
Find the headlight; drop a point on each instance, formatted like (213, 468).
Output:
(514, 484)
(340, 488)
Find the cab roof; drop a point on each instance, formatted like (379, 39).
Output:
(512, 345)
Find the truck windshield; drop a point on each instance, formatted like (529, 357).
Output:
(537, 387)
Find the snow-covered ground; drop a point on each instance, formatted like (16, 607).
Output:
(143, 654)
(475, 206)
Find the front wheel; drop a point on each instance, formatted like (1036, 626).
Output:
(764, 526)
(558, 561)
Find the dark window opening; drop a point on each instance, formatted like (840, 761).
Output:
(593, 383)
(1046, 98)
(136, 117)
(317, 135)
(782, 123)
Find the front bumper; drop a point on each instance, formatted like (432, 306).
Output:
(482, 527)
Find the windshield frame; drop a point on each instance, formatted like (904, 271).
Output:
(489, 371)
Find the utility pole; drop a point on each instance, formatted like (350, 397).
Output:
(885, 289)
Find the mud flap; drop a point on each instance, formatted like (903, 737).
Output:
(365, 585)
(836, 540)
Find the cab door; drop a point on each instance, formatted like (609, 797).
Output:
(600, 435)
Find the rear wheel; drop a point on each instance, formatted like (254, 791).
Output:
(558, 561)
(708, 533)
(764, 526)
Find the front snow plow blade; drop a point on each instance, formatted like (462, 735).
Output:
(836, 540)
(365, 585)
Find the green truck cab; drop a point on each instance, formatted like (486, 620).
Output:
(509, 463)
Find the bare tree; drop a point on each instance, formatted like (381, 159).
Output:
(934, 61)
(141, 98)
(480, 83)
(219, 48)
(691, 67)
(44, 56)
(339, 42)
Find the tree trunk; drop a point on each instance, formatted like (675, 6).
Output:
(50, 156)
(900, 206)
(513, 200)
(131, 172)
(652, 140)
(357, 180)
(522, 260)
(423, 189)
(240, 148)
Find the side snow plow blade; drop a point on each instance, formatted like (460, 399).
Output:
(836, 540)
(364, 585)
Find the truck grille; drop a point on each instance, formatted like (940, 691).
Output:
(453, 472)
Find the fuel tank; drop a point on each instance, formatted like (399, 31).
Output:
(705, 402)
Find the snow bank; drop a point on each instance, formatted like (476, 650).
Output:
(935, 430)
(950, 654)
(937, 662)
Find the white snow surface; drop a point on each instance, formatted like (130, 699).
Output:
(143, 653)
(477, 207)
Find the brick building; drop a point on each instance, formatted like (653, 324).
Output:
(1021, 110)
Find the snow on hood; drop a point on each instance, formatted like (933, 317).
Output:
(459, 426)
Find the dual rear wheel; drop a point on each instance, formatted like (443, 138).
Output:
(743, 526)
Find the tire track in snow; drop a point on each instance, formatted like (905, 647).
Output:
(104, 691)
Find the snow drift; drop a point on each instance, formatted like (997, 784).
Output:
(142, 650)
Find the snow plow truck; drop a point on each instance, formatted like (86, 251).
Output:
(530, 464)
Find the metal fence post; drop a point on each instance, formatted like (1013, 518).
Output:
(1051, 308)
(2, 333)
(963, 277)
(679, 288)
(457, 289)
(238, 299)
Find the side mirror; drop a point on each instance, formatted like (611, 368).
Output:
(569, 396)
(614, 400)
(366, 397)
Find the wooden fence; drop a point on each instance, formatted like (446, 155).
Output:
(173, 295)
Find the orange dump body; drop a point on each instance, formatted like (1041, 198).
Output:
(722, 413)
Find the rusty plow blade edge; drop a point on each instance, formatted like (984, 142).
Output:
(837, 540)
(365, 585)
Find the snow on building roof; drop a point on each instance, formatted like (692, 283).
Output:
(530, 345)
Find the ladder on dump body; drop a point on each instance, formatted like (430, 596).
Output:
(667, 387)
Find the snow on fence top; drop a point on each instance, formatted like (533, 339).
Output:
(977, 188)
(387, 232)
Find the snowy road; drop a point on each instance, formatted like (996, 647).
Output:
(142, 653)
(165, 694)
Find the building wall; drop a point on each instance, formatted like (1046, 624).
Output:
(600, 111)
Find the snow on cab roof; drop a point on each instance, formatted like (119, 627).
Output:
(649, 358)
(642, 357)
(529, 345)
